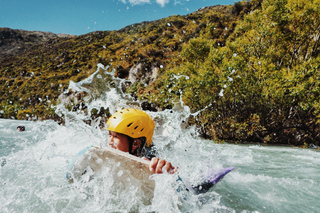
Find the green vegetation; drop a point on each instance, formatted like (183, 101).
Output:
(250, 70)
(31, 82)
(262, 85)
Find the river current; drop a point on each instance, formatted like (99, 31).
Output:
(265, 178)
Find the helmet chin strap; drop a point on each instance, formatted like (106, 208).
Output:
(130, 144)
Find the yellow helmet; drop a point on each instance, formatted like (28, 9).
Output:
(133, 123)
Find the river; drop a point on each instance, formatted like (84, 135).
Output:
(265, 178)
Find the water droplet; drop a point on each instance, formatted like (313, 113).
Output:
(221, 93)
(120, 173)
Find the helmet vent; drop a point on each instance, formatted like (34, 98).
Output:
(136, 127)
(129, 124)
(142, 129)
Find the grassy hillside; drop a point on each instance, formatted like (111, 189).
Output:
(32, 81)
(252, 69)
(262, 85)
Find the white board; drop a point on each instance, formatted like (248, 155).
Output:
(125, 168)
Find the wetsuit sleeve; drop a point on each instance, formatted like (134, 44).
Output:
(150, 152)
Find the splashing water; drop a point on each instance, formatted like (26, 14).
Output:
(34, 165)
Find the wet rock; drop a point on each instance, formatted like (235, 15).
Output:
(147, 106)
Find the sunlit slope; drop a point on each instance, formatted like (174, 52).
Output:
(263, 85)
(250, 70)
(31, 82)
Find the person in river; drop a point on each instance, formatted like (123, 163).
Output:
(131, 130)
(21, 128)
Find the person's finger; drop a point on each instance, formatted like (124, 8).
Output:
(168, 166)
(153, 164)
(160, 165)
(173, 170)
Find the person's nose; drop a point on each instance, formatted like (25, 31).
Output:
(111, 141)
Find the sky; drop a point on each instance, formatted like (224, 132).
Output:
(79, 17)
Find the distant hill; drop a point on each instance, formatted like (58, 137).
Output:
(13, 42)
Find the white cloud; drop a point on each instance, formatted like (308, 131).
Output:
(162, 2)
(137, 2)
(182, 2)
(177, 2)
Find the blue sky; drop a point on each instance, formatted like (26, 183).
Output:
(84, 16)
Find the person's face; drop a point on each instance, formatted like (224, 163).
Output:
(118, 141)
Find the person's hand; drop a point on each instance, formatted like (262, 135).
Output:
(157, 165)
